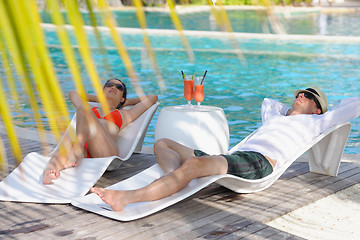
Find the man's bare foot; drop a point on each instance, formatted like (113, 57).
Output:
(116, 199)
(49, 175)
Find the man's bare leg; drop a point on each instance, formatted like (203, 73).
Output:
(171, 183)
(170, 154)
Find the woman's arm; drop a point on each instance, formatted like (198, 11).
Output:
(141, 104)
(77, 101)
(131, 101)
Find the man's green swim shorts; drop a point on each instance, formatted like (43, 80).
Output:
(245, 164)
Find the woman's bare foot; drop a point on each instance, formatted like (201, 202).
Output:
(75, 156)
(70, 164)
(116, 199)
(49, 175)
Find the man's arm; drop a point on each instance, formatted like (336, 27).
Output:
(349, 108)
(271, 107)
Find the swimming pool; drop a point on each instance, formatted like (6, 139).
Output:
(274, 68)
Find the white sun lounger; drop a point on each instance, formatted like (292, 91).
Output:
(24, 183)
(324, 157)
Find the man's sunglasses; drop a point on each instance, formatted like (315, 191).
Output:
(311, 97)
(117, 85)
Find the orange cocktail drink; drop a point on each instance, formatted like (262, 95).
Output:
(199, 90)
(199, 93)
(188, 89)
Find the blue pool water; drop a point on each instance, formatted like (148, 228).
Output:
(273, 68)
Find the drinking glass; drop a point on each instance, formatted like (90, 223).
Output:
(188, 88)
(199, 90)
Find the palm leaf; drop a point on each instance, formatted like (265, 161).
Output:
(84, 48)
(8, 73)
(116, 37)
(97, 33)
(225, 25)
(7, 119)
(10, 26)
(142, 20)
(177, 23)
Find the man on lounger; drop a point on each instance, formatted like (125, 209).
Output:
(284, 130)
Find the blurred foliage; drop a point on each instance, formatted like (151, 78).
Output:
(152, 3)
(25, 58)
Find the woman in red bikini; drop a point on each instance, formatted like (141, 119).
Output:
(96, 131)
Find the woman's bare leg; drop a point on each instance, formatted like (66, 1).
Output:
(89, 129)
(52, 170)
(96, 132)
(57, 161)
(171, 183)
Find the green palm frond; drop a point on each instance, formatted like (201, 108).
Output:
(8, 73)
(25, 58)
(68, 51)
(7, 119)
(10, 24)
(141, 17)
(110, 22)
(97, 33)
(224, 24)
(177, 23)
(77, 22)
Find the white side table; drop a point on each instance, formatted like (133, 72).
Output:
(204, 128)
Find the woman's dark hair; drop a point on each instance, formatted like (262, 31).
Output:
(124, 93)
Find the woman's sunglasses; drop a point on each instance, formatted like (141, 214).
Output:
(117, 85)
(311, 97)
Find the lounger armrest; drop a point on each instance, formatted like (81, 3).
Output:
(325, 156)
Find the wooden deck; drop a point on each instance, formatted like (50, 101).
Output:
(213, 213)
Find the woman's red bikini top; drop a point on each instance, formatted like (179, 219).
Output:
(114, 117)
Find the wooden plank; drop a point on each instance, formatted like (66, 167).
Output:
(278, 206)
(217, 216)
(260, 209)
(214, 212)
(30, 216)
(245, 232)
(154, 222)
(241, 224)
(265, 233)
(294, 170)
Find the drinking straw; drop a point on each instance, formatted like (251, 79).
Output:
(183, 75)
(203, 77)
